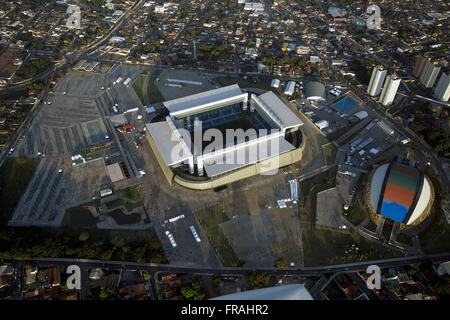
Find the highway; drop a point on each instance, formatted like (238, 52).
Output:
(153, 268)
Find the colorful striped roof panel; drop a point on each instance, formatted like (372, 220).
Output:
(401, 187)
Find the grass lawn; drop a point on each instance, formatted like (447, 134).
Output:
(131, 193)
(209, 219)
(326, 246)
(132, 205)
(309, 189)
(32, 68)
(79, 217)
(114, 203)
(137, 86)
(330, 152)
(14, 177)
(356, 213)
(436, 238)
(153, 93)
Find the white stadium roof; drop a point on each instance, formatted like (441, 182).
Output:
(280, 110)
(377, 184)
(246, 155)
(162, 133)
(196, 102)
(422, 203)
(285, 292)
(175, 148)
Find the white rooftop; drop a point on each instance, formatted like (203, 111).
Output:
(162, 133)
(285, 292)
(281, 111)
(114, 171)
(246, 155)
(198, 101)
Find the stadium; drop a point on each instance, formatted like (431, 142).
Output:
(213, 138)
(399, 192)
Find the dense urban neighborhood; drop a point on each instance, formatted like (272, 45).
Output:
(230, 150)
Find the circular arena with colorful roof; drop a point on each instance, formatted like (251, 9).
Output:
(399, 192)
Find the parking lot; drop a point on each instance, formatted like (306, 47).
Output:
(71, 120)
(169, 93)
(66, 123)
(121, 93)
(363, 149)
(51, 192)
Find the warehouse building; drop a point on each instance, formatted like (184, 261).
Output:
(290, 88)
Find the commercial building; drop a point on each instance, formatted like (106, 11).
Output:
(376, 81)
(322, 124)
(315, 91)
(390, 90)
(442, 90)
(361, 114)
(429, 74)
(399, 192)
(250, 135)
(115, 172)
(290, 88)
(303, 50)
(275, 83)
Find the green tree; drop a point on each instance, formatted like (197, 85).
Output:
(259, 279)
(443, 287)
(188, 292)
(110, 293)
(281, 263)
(84, 236)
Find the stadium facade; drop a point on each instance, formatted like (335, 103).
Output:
(216, 137)
(399, 192)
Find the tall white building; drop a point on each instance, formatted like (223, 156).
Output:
(376, 81)
(390, 90)
(419, 66)
(442, 90)
(429, 74)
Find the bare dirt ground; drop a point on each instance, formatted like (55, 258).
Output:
(263, 237)
(330, 202)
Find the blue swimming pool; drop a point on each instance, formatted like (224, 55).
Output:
(345, 104)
